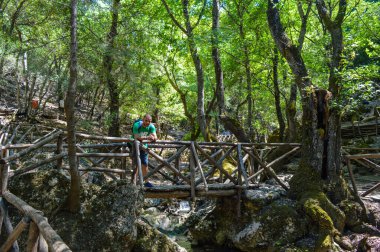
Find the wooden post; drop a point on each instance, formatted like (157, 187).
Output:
(238, 208)
(138, 161)
(352, 176)
(32, 243)
(192, 176)
(241, 166)
(134, 164)
(42, 245)
(4, 176)
(123, 162)
(15, 234)
(59, 151)
(196, 159)
(355, 188)
(6, 221)
(176, 165)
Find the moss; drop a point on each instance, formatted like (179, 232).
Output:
(329, 219)
(305, 179)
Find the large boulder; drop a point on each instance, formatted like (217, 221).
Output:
(107, 220)
(151, 240)
(267, 220)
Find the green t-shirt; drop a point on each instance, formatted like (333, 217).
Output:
(142, 131)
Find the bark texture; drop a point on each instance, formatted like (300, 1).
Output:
(74, 194)
(114, 104)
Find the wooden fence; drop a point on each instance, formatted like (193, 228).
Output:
(183, 169)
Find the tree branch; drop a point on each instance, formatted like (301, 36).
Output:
(173, 18)
(200, 15)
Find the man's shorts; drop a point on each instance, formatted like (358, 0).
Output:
(143, 154)
(144, 157)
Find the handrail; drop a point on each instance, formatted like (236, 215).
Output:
(54, 241)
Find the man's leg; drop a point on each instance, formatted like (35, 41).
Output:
(144, 166)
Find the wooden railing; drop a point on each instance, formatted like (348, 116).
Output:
(41, 235)
(183, 169)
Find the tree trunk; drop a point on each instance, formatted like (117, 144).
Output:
(74, 194)
(188, 30)
(277, 97)
(291, 106)
(216, 56)
(91, 113)
(334, 27)
(114, 104)
(314, 102)
(199, 71)
(291, 110)
(317, 172)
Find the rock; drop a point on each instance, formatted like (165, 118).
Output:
(151, 240)
(275, 226)
(268, 220)
(44, 190)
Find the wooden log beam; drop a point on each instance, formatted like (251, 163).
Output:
(25, 134)
(137, 145)
(31, 148)
(212, 170)
(7, 222)
(98, 169)
(15, 234)
(241, 164)
(215, 163)
(11, 139)
(107, 155)
(266, 168)
(106, 138)
(198, 163)
(52, 238)
(274, 162)
(363, 156)
(162, 173)
(33, 234)
(192, 177)
(169, 160)
(37, 165)
(160, 159)
(366, 163)
(184, 191)
(375, 187)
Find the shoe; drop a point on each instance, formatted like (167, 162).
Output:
(148, 184)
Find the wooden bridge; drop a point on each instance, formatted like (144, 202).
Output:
(180, 169)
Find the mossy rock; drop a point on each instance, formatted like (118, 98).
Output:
(353, 212)
(45, 190)
(324, 215)
(277, 225)
(151, 240)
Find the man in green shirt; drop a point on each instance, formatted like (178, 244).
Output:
(144, 130)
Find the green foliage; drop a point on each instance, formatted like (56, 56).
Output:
(148, 41)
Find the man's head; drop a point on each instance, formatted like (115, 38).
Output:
(146, 120)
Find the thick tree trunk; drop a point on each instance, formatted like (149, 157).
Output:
(74, 194)
(277, 97)
(199, 71)
(291, 106)
(114, 104)
(216, 56)
(291, 110)
(334, 27)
